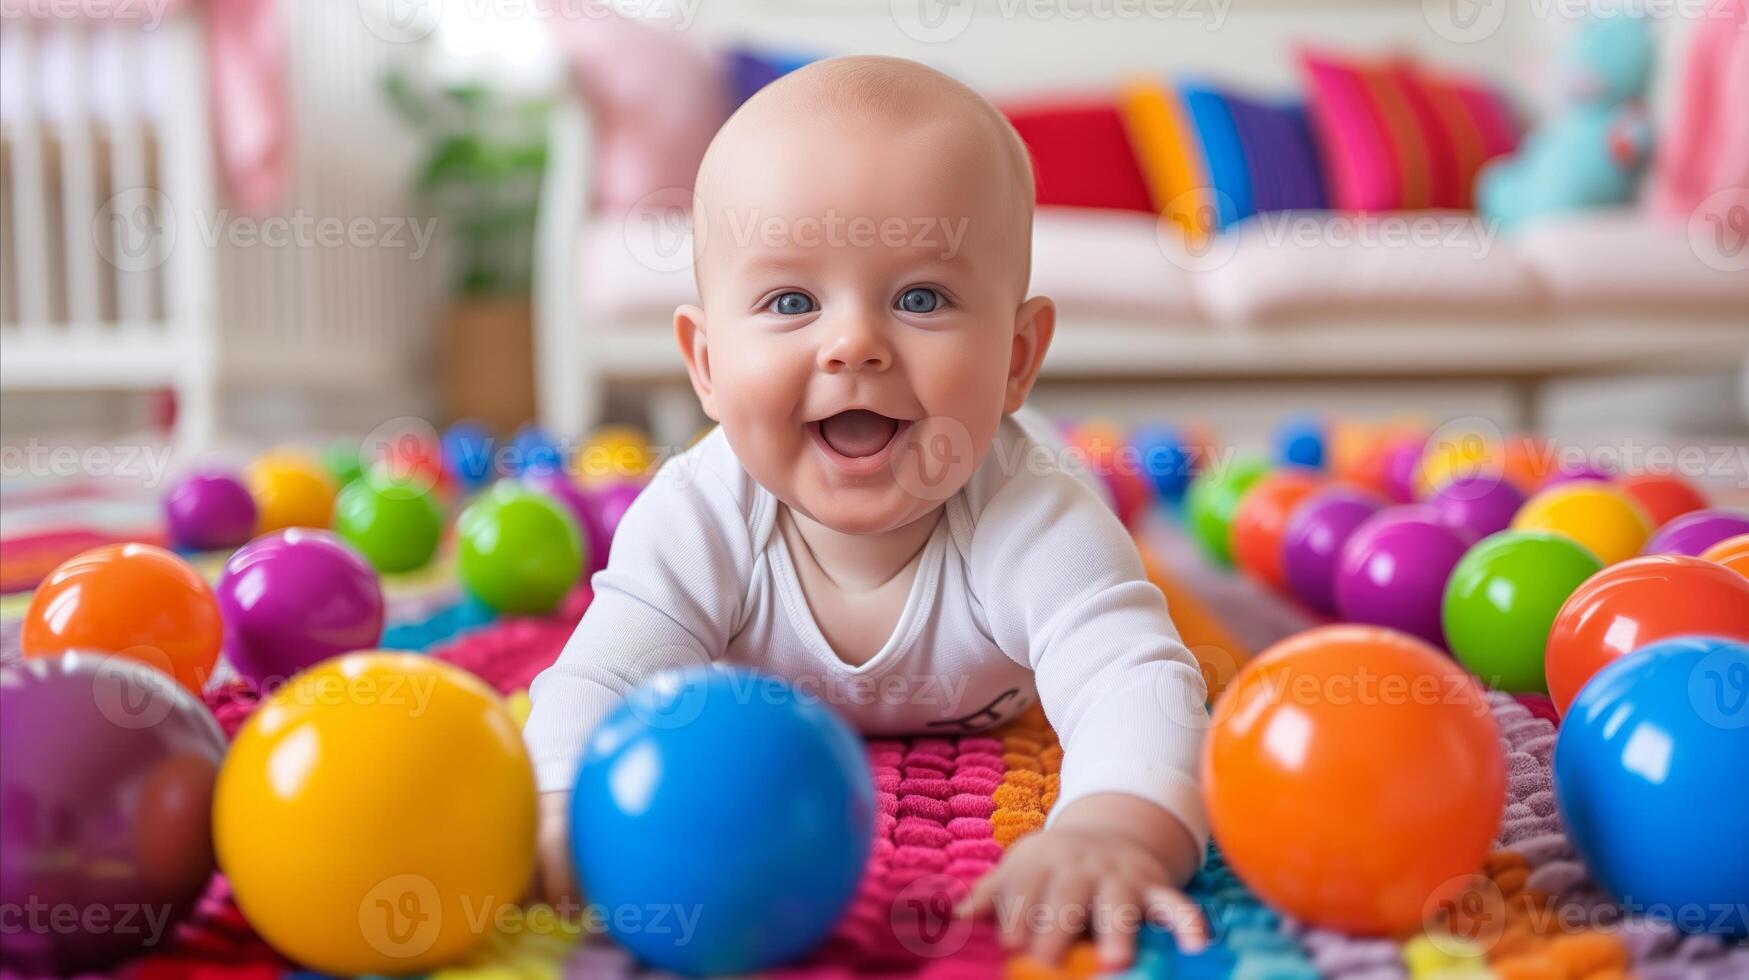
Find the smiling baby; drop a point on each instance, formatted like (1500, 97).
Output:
(876, 518)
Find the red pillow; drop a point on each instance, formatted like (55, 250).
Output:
(1081, 155)
(1393, 136)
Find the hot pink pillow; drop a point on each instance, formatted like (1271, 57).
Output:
(655, 99)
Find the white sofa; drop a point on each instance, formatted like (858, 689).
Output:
(1289, 298)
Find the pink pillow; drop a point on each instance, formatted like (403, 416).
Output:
(655, 99)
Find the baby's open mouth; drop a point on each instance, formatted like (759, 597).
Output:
(858, 433)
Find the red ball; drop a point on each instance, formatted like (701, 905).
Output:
(1640, 601)
(1261, 520)
(1664, 497)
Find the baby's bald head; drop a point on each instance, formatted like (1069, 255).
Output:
(830, 105)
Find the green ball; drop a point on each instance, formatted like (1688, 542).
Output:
(396, 525)
(1502, 598)
(520, 551)
(1214, 498)
(340, 459)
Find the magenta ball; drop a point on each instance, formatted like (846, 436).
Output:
(106, 781)
(1313, 540)
(1578, 471)
(1401, 462)
(209, 511)
(1696, 531)
(1477, 506)
(295, 598)
(1393, 571)
(614, 500)
(581, 506)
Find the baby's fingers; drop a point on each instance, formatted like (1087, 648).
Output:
(1063, 916)
(1174, 911)
(1118, 913)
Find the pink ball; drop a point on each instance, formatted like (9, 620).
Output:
(294, 598)
(1394, 569)
(209, 511)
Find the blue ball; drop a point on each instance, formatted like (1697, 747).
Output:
(1649, 770)
(532, 451)
(738, 810)
(1166, 460)
(1299, 441)
(467, 454)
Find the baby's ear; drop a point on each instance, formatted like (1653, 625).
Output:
(695, 348)
(1034, 325)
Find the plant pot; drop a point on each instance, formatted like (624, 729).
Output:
(486, 361)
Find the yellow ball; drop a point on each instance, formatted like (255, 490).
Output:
(1596, 515)
(614, 453)
(377, 814)
(291, 489)
(1454, 454)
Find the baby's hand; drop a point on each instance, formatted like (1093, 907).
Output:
(556, 882)
(1086, 876)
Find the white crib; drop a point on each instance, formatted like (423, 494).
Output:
(106, 189)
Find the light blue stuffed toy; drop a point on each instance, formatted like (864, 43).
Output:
(1592, 153)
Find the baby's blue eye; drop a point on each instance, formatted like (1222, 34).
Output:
(791, 304)
(919, 299)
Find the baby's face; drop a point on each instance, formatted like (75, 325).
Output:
(864, 328)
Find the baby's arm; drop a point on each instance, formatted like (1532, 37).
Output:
(669, 598)
(1064, 592)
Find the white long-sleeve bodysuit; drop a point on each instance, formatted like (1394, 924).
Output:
(1029, 586)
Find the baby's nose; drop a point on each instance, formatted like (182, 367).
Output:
(857, 347)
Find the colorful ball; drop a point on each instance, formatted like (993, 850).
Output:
(1393, 571)
(1213, 500)
(106, 782)
(1105, 454)
(1503, 596)
(209, 511)
(1457, 451)
(132, 600)
(1664, 497)
(1477, 506)
(520, 551)
(1641, 601)
(583, 508)
(614, 453)
(1696, 531)
(1575, 472)
(1311, 545)
(290, 490)
(612, 502)
(1733, 553)
(1402, 461)
(1299, 441)
(295, 598)
(341, 459)
(1262, 518)
(532, 450)
(467, 449)
(1650, 743)
(375, 814)
(395, 524)
(1601, 517)
(1354, 778)
(1166, 459)
(799, 824)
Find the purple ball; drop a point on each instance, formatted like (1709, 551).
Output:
(294, 598)
(1393, 571)
(1579, 471)
(614, 500)
(578, 501)
(1696, 531)
(1401, 462)
(106, 781)
(1314, 538)
(209, 511)
(1477, 506)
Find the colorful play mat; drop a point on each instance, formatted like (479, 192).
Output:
(949, 806)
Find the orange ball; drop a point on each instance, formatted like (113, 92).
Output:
(1664, 497)
(1733, 553)
(134, 600)
(1640, 601)
(1354, 778)
(1262, 518)
(1527, 464)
